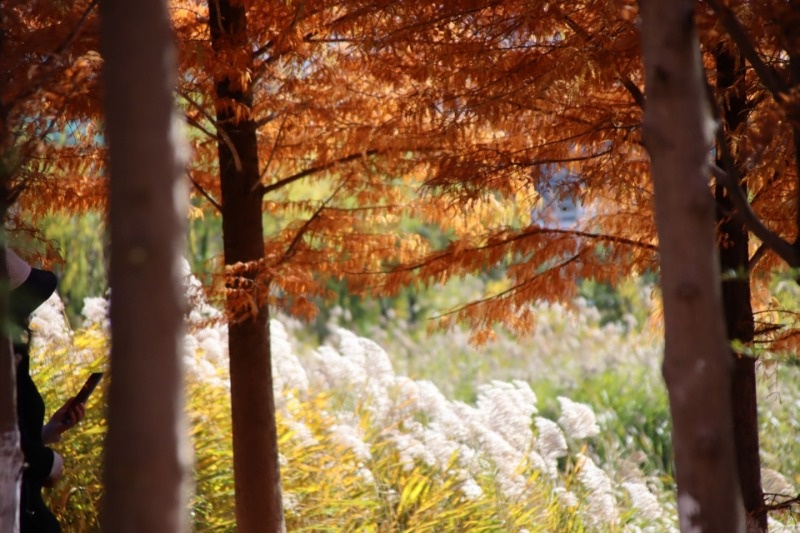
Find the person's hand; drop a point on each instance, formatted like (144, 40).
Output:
(56, 471)
(67, 416)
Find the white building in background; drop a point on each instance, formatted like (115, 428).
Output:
(559, 205)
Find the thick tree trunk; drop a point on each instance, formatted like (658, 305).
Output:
(11, 458)
(255, 443)
(736, 298)
(697, 364)
(147, 454)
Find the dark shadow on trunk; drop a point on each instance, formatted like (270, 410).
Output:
(736, 297)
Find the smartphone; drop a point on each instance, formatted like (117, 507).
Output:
(88, 387)
(86, 390)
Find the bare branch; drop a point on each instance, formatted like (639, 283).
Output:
(274, 147)
(313, 170)
(206, 194)
(197, 106)
(779, 505)
(195, 124)
(292, 249)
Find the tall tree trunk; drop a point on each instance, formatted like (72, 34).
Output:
(697, 364)
(147, 454)
(11, 459)
(736, 298)
(255, 443)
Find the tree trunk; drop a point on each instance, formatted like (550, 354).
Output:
(146, 450)
(255, 443)
(734, 256)
(11, 458)
(697, 364)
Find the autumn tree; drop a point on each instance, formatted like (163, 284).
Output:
(255, 445)
(39, 43)
(274, 100)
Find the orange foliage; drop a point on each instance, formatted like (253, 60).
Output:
(458, 114)
(49, 100)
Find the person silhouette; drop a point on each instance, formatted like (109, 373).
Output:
(28, 289)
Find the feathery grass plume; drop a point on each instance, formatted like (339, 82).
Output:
(49, 323)
(550, 444)
(644, 501)
(508, 409)
(577, 419)
(600, 502)
(95, 313)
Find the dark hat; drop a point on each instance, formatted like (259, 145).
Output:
(34, 291)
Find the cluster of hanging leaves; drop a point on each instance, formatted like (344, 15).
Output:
(477, 117)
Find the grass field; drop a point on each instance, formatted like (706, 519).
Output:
(565, 430)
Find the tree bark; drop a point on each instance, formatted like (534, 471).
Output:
(11, 458)
(146, 450)
(255, 443)
(697, 364)
(734, 257)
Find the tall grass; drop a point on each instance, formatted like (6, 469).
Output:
(566, 431)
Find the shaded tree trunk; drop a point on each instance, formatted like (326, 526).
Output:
(11, 459)
(697, 364)
(255, 443)
(736, 298)
(147, 455)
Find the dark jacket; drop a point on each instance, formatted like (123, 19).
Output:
(35, 517)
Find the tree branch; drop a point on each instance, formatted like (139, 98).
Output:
(194, 123)
(292, 249)
(779, 506)
(745, 214)
(637, 94)
(313, 170)
(75, 31)
(206, 194)
(794, 119)
(743, 211)
(517, 287)
(756, 257)
(60, 49)
(767, 75)
(196, 105)
(528, 232)
(274, 147)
